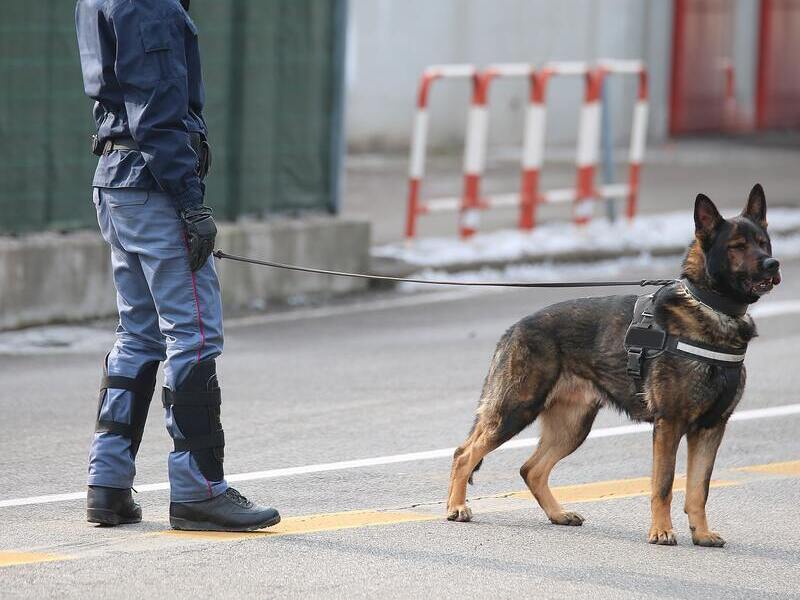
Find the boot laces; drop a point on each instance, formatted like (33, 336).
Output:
(236, 497)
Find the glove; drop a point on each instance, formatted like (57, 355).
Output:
(200, 234)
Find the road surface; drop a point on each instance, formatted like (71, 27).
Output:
(344, 418)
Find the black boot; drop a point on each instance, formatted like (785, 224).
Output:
(111, 506)
(230, 511)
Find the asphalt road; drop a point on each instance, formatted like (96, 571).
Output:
(322, 408)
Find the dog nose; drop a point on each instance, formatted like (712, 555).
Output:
(771, 265)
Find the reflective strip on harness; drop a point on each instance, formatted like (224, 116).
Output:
(645, 340)
(712, 354)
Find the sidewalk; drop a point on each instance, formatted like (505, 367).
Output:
(723, 168)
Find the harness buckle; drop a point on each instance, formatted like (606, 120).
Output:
(635, 362)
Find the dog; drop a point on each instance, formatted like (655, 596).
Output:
(563, 363)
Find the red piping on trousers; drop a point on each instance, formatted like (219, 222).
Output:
(197, 306)
(202, 334)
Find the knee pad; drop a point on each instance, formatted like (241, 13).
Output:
(142, 387)
(196, 410)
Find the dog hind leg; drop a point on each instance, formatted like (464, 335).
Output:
(513, 394)
(565, 423)
(465, 460)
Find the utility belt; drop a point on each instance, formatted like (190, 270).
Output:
(197, 140)
(645, 340)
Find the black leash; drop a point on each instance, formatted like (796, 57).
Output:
(561, 284)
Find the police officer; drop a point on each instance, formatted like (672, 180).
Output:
(141, 65)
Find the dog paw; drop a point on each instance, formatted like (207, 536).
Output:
(662, 537)
(567, 518)
(709, 539)
(461, 514)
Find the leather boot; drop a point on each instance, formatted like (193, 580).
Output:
(230, 511)
(111, 506)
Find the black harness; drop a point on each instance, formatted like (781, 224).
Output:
(646, 340)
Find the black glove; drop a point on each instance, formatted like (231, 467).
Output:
(200, 234)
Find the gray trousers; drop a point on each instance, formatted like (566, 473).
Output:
(167, 314)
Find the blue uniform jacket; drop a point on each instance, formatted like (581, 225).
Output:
(141, 65)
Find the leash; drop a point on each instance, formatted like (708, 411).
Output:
(508, 284)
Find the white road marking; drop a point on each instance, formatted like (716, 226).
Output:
(774, 309)
(603, 432)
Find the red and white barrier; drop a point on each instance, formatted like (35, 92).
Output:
(529, 196)
(475, 148)
(533, 145)
(419, 139)
(588, 144)
(638, 132)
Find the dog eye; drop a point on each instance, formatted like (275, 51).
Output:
(737, 246)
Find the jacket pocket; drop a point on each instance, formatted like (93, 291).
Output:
(155, 35)
(162, 42)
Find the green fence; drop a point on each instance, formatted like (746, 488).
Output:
(273, 74)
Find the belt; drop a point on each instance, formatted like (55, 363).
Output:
(198, 142)
(120, 144)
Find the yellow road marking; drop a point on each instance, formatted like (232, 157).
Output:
(790, 468)
(8, 559)
(586, 492)
(313, 524)
(611, 490)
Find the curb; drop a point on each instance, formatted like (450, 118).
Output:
(395, 267)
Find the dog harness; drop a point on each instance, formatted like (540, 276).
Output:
(646, 340)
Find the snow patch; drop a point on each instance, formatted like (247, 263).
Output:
(647, 233)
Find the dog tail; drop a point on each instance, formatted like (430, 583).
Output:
(475, 470)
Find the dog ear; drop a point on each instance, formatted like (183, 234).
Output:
(756, 209)
(706, 216)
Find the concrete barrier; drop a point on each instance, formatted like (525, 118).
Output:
(47, 278)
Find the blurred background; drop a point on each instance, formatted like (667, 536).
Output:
(329, 120)
(311, 105)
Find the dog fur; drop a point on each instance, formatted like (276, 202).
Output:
(563, 363)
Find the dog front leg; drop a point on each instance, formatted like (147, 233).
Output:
(703, 445)
(666, 437)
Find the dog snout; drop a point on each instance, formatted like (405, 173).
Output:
(771, 265)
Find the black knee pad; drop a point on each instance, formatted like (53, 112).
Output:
(196, 410)
(142, 387)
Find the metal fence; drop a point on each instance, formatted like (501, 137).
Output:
(273, 74)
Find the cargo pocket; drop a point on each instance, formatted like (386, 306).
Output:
(124, 197)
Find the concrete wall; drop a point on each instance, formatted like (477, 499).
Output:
(55, 278)
(392, 41)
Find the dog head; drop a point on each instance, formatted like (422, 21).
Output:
(733, 257)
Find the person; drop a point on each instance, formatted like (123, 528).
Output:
(141, 66)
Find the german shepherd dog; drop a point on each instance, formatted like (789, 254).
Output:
(563, 363)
